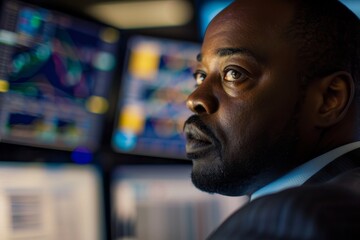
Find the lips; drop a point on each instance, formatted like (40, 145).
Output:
(198, 143)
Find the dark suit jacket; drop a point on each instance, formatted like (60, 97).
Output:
(327, 206)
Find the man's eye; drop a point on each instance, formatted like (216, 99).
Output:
(199, 77)
(232, 75)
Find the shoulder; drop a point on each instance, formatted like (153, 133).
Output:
(323, 211)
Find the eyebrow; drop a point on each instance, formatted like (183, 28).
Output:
(225, 52)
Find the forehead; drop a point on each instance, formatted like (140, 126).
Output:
(252, 24)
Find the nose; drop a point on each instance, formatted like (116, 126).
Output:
(202, 100)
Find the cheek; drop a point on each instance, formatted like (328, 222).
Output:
(307, 118)
(246, 123)
(277, 106)
(237, 123)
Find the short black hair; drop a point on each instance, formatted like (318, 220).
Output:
(326, 35)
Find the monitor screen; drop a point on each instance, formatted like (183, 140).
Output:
(157, 79)
(55, 74)
(58, 201)
(210, 8)
(353, 5)
(160, 202)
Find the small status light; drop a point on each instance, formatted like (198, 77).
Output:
(132, 119)
(110, 35)
(145, 61)
(36, 21)
(7, 37)
(125, 141)
(97, 105)
(4, 86)
(82, 155)
(104, 61)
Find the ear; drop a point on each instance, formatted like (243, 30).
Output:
(336, 92)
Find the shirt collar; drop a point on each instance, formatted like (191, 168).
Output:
(300, 174)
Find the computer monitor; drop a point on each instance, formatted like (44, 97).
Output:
(58, 201)
(160, 202)
(210, 8)
(353, 5)
(55, 75)
(157, 78)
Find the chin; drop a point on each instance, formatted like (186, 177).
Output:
(212, 176)
(244, 171)
(220, 186)
(230, 178)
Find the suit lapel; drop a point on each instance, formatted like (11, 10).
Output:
(340, 165)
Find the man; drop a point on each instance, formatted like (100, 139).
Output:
(276, 116)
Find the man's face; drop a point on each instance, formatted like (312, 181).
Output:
(245, 127)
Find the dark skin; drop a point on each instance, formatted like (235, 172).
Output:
(261, 121)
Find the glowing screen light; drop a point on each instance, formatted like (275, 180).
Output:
(353, 5)
(151, 111)
(208, 10)
(82, 155)
(142, 14)
(56, 201)
(56, 71)
(4, 86)
(98, 105)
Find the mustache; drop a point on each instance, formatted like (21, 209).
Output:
(198, 123)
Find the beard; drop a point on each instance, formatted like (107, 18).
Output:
(252, 166)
